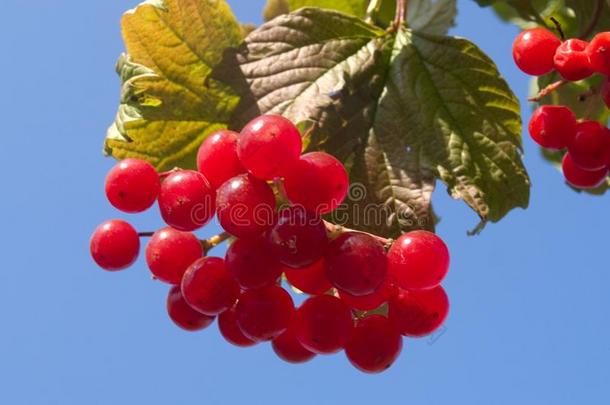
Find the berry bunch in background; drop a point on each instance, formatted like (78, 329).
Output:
(365, 292)
(586, 162)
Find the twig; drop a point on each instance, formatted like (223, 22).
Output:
(547, 90)
(372, 9)
(214, 241)
(594, 19)
(336, 230)
(145, 234)
(559, 29)
(401, 13)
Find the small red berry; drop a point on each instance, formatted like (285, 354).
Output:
(288, 348)
(590, 149)
(264, 314)
(251, 264)
(599, 53)
(419, 313)
(183, 315)
(534, 49)
(418, 260)
(553, 126)
(132, 185)
(374, 344)
(115, 245)
(227, 324)
(208, 287)
(170, 252)
(217, 157)
(582, 179)
(571, 60)
(311, 280)
(371, 301)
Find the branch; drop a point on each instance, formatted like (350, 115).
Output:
(547, 90)
(559, 29)
(594, 19)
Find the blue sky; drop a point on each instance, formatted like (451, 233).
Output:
(530, 296)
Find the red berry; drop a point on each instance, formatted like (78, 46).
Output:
(245, 206)
(183, 315)
(419, 313)
(590, 149)
(599, 53)
(534, 49)
(311, 280)
(323, 324)
(356, 263)
(217, 157)
(251, 264)
(318, 182)
(553, 126)
(288, 348)
(115, 245)
(170, 252)
(582, 179)
(227, 324)
(298, 238)
(571, 60)
(132, 185)
(264, 314)
(606, 94)
(268, 145)
(371, 301)
(208, 287)
(418, 260)
(374, 344)
(186, 200)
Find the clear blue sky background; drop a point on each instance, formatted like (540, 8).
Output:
(530, 296)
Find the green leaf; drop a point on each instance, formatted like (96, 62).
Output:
(401, 108)
(168, 102)
(276, 8)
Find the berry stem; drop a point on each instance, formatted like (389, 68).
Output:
(214, 241)
(547, 90)
(163, 175)
(336, 230)
(401, 13)
(559, 28)
(594, 19)
(372, 9)
(145, 234)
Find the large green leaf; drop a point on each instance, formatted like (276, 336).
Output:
(401, 108)
(168, 103)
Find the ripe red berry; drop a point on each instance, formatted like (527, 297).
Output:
(582, 179)
(186, 200)
(371, 301)
(208, 287)
(571, 60)
(356, 263)
(264, 314)
(227, 324)
(418, 260)
(374, 344)
(245, 206)
(170, 252)
(590, 149)
(419, 313)
(217, 157)
(534, 49)
(318, 182)
(606, 94)
(251, 264)
(183, 315)
(115, 245)
(288, 348)
(553, 126)
(268, 145)
(298, 238)
(323, 324)
(311, 279)
(599, 53)
(132, 185)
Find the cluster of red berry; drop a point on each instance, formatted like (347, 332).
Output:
(365, 291)
(537, 52)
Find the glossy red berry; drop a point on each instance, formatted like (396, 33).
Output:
(553, 126)
(170, 252)
(374, 344)
(571, 60)
(186, 200)
(183, 315)
(419, 313)
(268, 145)
(265, 313)
(251, 264)
(132, 185)
(208, 287)
(311, 279)
(590, 149)
(582, 179)
(288, 348)
(606, 94)
(534, 49)
(323, 324)
(298, 237)
(227, 324)
(217, 157)
(418, 260)
(599, 53)
(245, 206)
(371, 301)
(115, 245)
(318, 182)
(356, 263)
